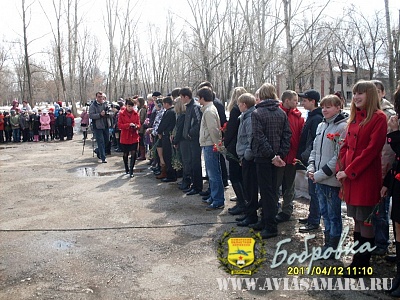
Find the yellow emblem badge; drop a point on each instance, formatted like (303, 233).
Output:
(241, 255)
(241, 251)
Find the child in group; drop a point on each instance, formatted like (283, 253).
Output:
(322, 167)
(52, 123)
(14, 121)
(7, 126)
(84, 122)
(70, 123)
(1, 128)
(246, 103)
(45, 125)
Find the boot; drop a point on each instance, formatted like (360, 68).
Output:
(131, 164)
(36, 138)
(125, 158)
(333, 243)
(356, 257)
(240, 207)
(142, 153)
(163, 173)
(360, 259)
(395, 289)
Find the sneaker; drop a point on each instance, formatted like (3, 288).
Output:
(213, 206)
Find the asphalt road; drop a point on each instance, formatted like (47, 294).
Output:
(71, 228)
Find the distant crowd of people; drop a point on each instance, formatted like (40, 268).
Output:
(24, 124)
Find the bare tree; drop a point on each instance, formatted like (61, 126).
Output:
(392, 84)
(25, 24)
(295, 36)
(370, 37)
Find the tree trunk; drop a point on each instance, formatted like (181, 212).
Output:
(27, 64)
(392, 85)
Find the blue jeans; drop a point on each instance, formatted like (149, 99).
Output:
(214, 173)
(101, 136)
(330, 208)
(314, 215)
(381, 225)
(16, 135)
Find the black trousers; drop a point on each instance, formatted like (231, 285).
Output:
(197, 173)
(250, 186)
(235, 171)
(167, 155)
(267, 184)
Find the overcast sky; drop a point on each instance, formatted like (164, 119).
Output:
(148, 11)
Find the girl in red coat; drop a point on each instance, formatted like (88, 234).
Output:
(129, 124)
(360, 166)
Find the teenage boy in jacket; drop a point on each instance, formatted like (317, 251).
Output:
(310, 102)
(287, 174)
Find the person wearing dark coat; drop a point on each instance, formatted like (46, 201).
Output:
(270, 145)
(191, 149)
(164, 131)
(310, 102)
(61, 122)
(230, 140)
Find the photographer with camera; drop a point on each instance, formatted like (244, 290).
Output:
(98, 112)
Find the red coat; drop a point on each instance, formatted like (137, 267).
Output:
(1, 122)
(129, 135)
(296, 124)
(360, 158)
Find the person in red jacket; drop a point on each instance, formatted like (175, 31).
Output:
(129, 124)
(1, 128)
(360, 170)
(287, 175)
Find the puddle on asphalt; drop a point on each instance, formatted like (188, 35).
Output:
(62, 245)
(92, 172)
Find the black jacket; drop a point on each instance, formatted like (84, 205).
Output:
(221, 110)
(230, 136)
(308, 134)
(179, 129)
(168, 122)
(191, 126)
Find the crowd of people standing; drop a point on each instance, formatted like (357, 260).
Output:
(352, 157)
(24, 124)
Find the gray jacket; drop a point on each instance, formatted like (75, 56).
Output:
(99, 121)
(245, 135)
(324, 155)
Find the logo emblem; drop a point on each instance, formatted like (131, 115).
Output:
(241, 251)
(241, 255)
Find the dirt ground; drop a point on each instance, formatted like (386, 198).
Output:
(71, 228)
